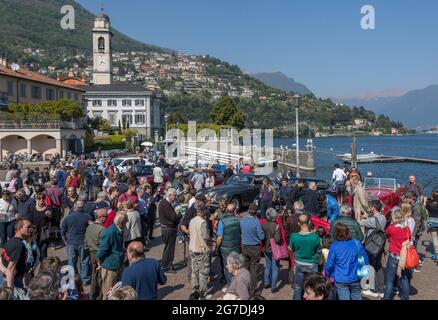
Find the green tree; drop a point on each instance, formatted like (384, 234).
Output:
(128, 134)
(225, 112)
(88, 140)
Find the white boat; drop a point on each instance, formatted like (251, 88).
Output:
(347, 156)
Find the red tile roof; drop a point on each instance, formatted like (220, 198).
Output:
(33, 76)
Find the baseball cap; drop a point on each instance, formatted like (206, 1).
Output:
(101, 205)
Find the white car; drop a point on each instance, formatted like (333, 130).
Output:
(121, 164)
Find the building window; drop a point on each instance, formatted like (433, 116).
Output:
(61, 94)
(126, 102)
(50, 94)
(69, 95)
(76, 97)
(10, 88)
(112, 103)
(36, 92)
(127, 118)
(139, 118)
(97, 103)
(112, 118)
(22, 90)
(139, 103)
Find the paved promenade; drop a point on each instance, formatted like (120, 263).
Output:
(423, 285)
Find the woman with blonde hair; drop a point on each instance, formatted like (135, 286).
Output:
(406, 211)
(399, 237)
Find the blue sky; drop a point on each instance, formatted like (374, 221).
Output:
(317, 42)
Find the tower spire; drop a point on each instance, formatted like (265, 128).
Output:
(101, 6)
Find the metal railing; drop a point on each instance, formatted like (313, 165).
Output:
(79, 124)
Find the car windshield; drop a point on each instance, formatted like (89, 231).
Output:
(236, 179)
(117, 162)
(146, 171)
(380, 183)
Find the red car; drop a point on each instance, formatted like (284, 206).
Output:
(218, 177)
(383, 189)
(147, 172)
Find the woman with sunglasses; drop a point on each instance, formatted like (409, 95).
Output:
(43, 221)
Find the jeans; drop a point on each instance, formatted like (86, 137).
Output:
(273, 265)
(228, 275)
(7, 231)
(75, 252)
(391, 272)
(349, 291)
(300, 271)
(434, 235)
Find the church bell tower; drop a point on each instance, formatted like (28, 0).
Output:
(102, 59)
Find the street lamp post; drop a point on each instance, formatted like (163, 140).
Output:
(165, 136)
(297, 102)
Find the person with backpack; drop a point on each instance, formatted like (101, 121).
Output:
(375, 240)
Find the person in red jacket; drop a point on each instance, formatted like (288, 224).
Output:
(398, 236)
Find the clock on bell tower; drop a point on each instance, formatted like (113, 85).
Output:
(102, 59)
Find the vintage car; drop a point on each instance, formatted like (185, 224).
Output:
(386, 190)
(121, 164)
(218, 177)
(241, 189)
(383, 189)
(321, 184)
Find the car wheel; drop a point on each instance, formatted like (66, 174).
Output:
(237, 202)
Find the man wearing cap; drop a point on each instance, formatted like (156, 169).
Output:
(199, 251)
(92, 243)
(252, 234)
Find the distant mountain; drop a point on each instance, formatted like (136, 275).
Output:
(36, 24)
(417, 108)
(280, 81)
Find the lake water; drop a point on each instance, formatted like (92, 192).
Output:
(419, 146)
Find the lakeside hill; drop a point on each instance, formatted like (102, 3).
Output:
(36, 24)
(416, 108)
(280, 81)
(31, 35)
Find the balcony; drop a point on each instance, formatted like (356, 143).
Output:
(36, 125)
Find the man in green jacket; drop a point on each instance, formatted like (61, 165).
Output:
(347, 219)
(111, 253)
(228, 237)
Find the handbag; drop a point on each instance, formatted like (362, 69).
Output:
(412, 258)
(279, 251)
(362, 270)
(432, 223)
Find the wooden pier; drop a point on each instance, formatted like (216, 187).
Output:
(394, 159)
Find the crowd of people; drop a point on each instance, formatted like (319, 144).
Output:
(106, 221)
